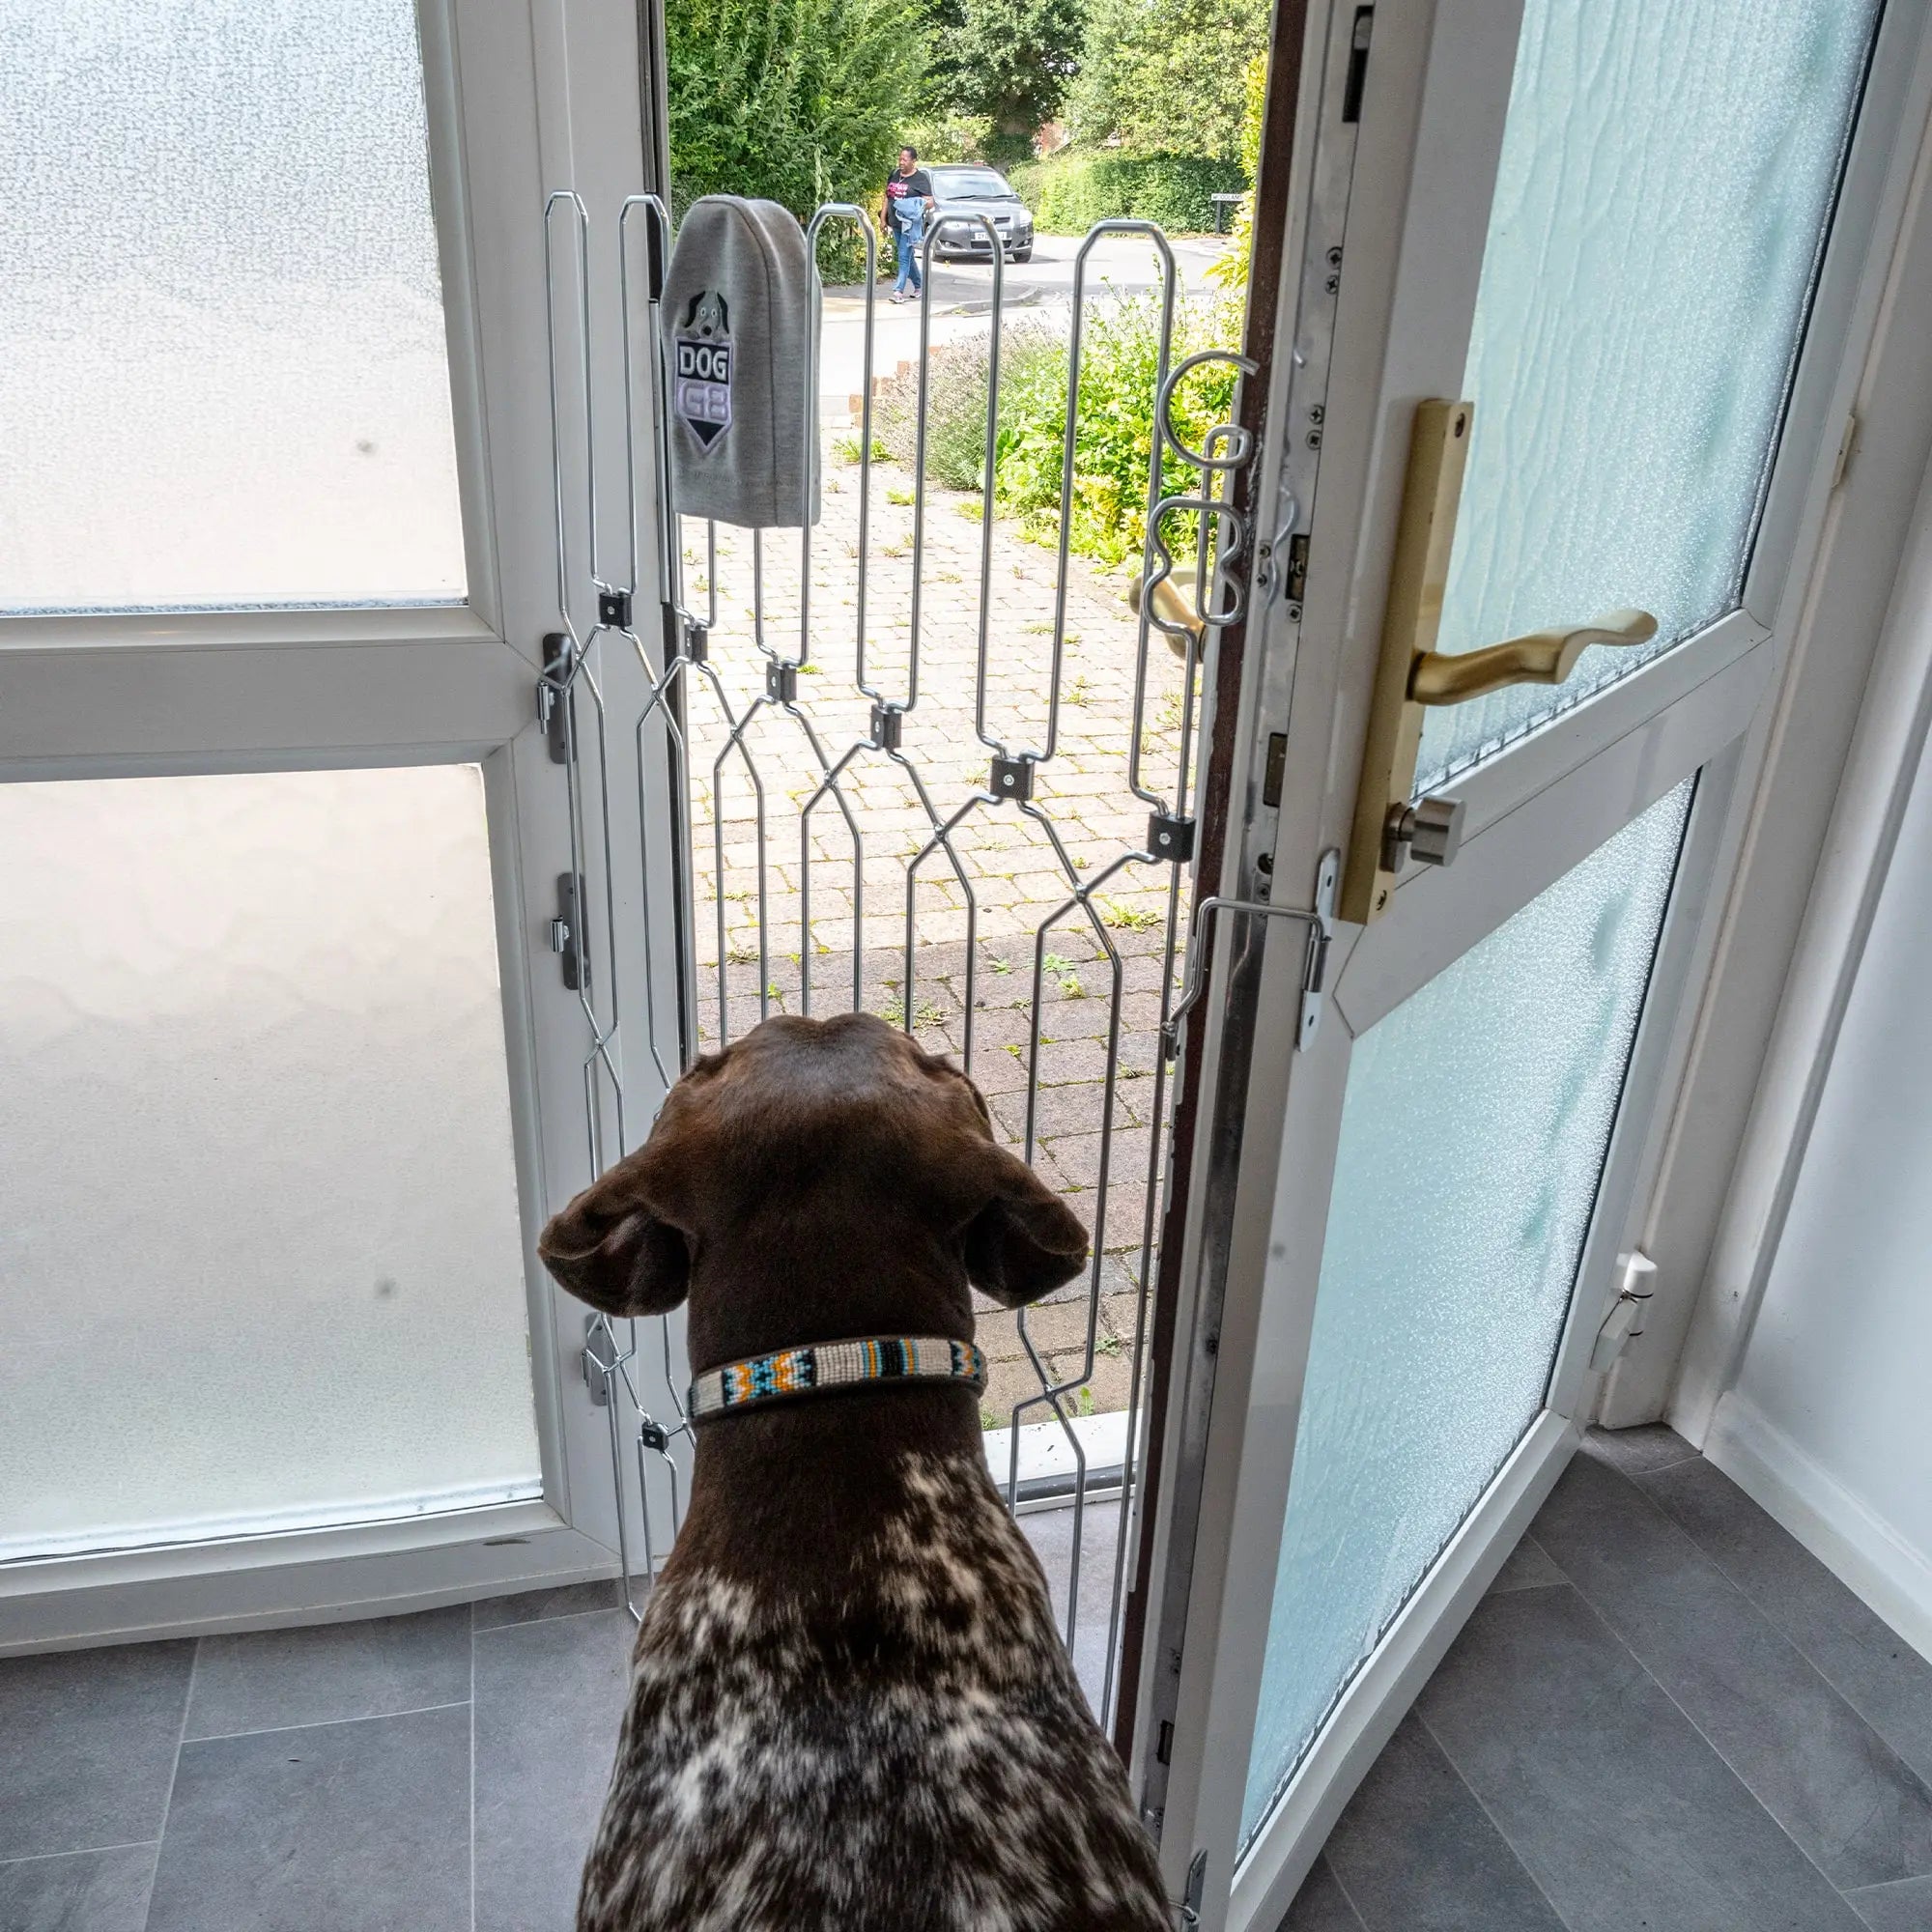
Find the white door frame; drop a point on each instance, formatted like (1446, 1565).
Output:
(1416, 213)
(524, 97)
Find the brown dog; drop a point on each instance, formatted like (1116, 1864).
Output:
(849, 1707)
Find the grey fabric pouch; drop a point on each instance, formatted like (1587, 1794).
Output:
(739, 315)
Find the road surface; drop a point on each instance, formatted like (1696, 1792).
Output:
(962, 296)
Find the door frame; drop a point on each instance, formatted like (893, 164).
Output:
(1212, 1591)
(520, 100)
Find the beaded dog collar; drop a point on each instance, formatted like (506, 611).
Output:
(830, 1365)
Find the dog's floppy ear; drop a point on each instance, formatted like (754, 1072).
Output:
(610, 1247)
(1026, 1239)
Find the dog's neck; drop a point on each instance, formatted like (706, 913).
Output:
(785, 1493)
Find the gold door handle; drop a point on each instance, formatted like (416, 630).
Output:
(1174, 610)
(1413, 673)
(1544, 657)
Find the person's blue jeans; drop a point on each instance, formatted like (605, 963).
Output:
(909, 274)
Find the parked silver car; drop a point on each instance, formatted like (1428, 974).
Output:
(971, 188)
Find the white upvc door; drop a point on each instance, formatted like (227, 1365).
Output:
(323, 1241)
(1587, 288)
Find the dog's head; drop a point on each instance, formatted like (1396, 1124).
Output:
(817, 1179)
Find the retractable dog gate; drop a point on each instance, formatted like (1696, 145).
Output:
(904, 759)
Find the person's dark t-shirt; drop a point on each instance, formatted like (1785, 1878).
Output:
(917, 186)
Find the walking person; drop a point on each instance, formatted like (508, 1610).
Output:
(908, 201)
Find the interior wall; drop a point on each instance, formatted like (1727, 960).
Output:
(1827, 1417)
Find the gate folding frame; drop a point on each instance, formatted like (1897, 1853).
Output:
(638, 758)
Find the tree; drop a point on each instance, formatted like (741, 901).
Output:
(797, 100)
(1167, 76)
(1012, 61)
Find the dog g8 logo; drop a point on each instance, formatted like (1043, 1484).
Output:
(702, 386)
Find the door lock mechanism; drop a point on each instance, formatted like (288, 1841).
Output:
(1389, 828)
(1429, 831)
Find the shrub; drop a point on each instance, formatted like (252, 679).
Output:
(1231, 272)
(1165, 77)
(1113, 442)
(1070, 192)
(800, 101)
(950, 136)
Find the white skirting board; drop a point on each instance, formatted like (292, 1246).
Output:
(1859, 1547)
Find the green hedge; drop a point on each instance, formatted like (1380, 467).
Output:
(1069, 193)
(1114, 438)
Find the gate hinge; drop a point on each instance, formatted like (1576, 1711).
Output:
(566, 932)
(598, 1366)
(1170, 837)
(1013, 778)
(697, 640)
(1197, 1890)
(1636, 1274)
(887, 726)
(781, 682)
(613, 607)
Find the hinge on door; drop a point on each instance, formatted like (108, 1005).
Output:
(1848, 442)
(1358, 64)
(566, 932)
(1635, 1273)
(1197, 1891)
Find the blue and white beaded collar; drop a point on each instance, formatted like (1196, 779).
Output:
(830, 1365)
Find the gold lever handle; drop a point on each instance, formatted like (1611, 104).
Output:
(1175, 609)
(1390, 830)
(1544, 657)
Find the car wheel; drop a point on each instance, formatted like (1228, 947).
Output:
(1023, 254)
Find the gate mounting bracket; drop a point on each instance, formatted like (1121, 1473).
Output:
(1320, 924)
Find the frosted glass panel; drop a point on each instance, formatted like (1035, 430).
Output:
(260, 1259)
(222, 378)
(1473, 1135)
(1667, 177)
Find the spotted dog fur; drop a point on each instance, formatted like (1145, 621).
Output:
(849, 1706)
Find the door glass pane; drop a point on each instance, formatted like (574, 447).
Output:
(260, 1263)
(222, 377)
(1473, 1134)
(1667, 174)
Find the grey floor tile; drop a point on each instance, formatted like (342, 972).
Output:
(79, 1891)
(1897, 1908)
(1623, 1814)
(1051, 1534)
(87, 1746)
(325, 1673)
(550, 1698)
(529, 1606)
(360, 1827)
(1649, 1446)
(1321, 1905)
(1883, 1678)
(1417, 1853)
(1820, 1769)
(1528, 1567)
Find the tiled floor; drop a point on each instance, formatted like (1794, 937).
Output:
(323, 1779)
(417, 1774)
(1665, 1715)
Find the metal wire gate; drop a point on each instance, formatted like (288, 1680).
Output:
(875, 766)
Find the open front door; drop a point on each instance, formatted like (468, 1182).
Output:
(1565, 320)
